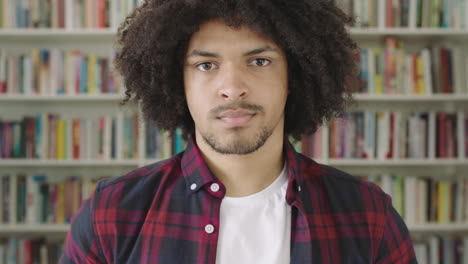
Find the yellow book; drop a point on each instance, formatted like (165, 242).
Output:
(420, 73)
(441, 206)
(92, 61)
(378, 71)
(61, 203)
(36, 60)
(60, 139)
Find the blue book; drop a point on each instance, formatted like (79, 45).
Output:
(84, 75)
(38, 136)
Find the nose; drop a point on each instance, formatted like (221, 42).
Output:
(232, 85)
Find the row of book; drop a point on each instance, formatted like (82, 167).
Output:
(29, 251)
(48, 136)
(39, 199)
(56, 72)
(421, 200)
(392, 135)
(64, 14)
(407, 13)
(394, 70)
(446, 250)
(358, 135)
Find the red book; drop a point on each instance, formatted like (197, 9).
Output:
(104, 80)
(392, 124)
(101, 13)
(28, 251)
(444, 73)
(61, 13)
(76, 138)
(441, 135)
(389, 14)
(451, 136)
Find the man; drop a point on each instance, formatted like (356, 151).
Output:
(239, 77)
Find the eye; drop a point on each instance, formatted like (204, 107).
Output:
(206, 66)
(260, 62)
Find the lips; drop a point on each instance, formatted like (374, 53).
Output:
(236, 117)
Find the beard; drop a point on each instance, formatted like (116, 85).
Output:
(239, 145)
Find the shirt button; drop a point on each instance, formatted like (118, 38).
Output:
(214, 187)
(209, 229)
(193, 186)
(299, 188)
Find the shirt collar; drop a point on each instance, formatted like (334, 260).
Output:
(197, 174)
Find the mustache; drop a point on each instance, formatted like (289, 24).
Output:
(235, 106)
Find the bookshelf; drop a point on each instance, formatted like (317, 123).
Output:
(92, 40)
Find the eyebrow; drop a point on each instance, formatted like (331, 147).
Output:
(215, 55)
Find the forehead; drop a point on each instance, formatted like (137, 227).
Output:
(216, 34)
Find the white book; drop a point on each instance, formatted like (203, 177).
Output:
(43, 254)
(13, 199)
(85, 188)
(107, 137)
(422, 124)
(432, 135)
(54, 67)
(383, 132)
(396, 134)
(422, 207)
(409, 74)
(30, 197)
(402, 138)
(27, 78)
(421, 251)
(410, 200)
(382, 13)
(387, 184)
(413, 13)
(434, 250)
(426, 57)
(369, 134)
(141, 138)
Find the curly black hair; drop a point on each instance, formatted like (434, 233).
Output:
(321, 56)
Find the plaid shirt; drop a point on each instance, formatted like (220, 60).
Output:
(168, 212)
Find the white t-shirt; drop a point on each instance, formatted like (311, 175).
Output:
(256, 228)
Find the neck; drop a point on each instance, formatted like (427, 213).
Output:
(244, 175)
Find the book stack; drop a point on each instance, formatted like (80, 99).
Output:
(422, 200)
(398, 135)
(407, 13)
(64, 14)
(36, 250)
(393, 70)
(47, 136)
(163, 144)
(38, 199)
(449, 250)
(57, 71)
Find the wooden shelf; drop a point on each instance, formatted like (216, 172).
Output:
(108, 34)
(396, 162)
(411, 98)
(61, 98)
(63, 228)
(67, 163)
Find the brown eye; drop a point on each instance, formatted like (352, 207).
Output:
(261, 62)
(206, 66)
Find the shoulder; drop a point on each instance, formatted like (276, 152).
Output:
(343, 191)
(140, 184)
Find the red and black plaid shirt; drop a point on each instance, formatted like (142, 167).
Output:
(159, 214)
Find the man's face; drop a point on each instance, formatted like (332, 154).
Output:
(236, 87)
